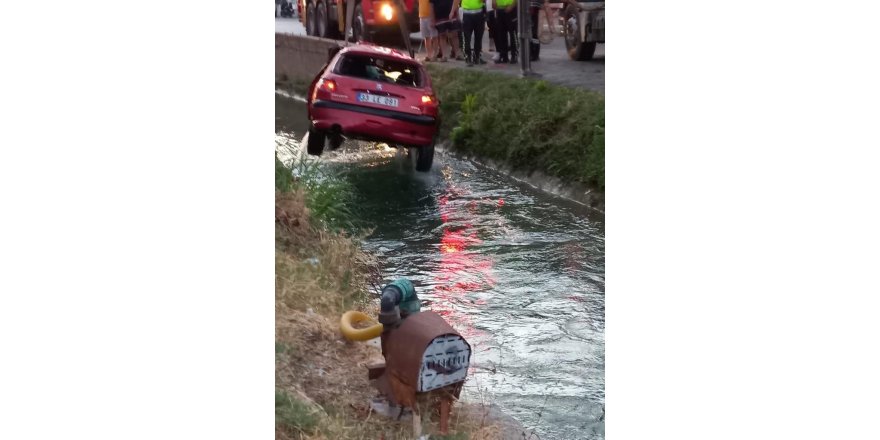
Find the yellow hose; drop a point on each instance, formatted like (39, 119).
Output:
(351, 317)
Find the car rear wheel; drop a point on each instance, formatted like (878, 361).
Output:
(424, 158)
(315, 146)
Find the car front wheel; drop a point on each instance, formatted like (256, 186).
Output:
(335, 140)
(424, 158)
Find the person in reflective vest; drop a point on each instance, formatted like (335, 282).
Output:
(473, 16)
(505, 36)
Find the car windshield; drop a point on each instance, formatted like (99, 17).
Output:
(379, 69)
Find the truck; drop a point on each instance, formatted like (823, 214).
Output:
(584, 27)
(369, 19)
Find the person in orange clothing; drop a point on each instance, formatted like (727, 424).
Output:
(426, 27)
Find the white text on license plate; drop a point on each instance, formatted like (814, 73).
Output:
(376, 99)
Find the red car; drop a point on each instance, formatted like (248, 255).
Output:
(374, 93)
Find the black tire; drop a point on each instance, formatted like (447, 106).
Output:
(335, 141)
(322, 27)
(315, 145)
(586, 51)
(310, 18)
(577, 50)
(424, 158)
(359, 30)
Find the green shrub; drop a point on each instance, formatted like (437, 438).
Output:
(529, 124)
(328, 194)
(283, 176)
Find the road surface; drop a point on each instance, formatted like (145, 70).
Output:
(554, 66)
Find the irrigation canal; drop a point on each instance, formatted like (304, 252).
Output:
(520, 274)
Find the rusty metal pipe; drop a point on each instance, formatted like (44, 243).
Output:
(444, 416)
(389, 312)
(399, 299)
(390, 298)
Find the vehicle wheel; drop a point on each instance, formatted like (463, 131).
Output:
(577, 50)
(310, 18)
(586, 51)
(424, 158)
(335, 141)
(321, 19)
(315, 145)
(359, 26)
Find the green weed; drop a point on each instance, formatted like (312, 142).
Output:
(292, 413)
(282, 348)
(283, 176)
(328, 193)
(456, 436)
(531, 125)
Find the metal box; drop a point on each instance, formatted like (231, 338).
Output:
(423, 354)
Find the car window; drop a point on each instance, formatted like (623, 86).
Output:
(379, 69)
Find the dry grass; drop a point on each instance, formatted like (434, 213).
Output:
(315, 269)
(321, 383)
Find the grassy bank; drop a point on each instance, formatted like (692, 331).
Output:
(321, 387)
(527, 124)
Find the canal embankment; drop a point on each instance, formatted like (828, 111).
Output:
(549, 136)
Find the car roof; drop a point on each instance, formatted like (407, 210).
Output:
(372, 49)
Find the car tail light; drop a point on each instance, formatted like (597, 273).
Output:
(322, 88)
(429, 105)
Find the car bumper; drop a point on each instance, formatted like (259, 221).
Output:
(374, 124)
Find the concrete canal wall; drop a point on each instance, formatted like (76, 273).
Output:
(299, 57)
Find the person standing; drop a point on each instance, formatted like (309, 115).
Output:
(505, 37)
(473, 23)
(535, 7)
(426, 27)
(490, 24)
(447, 24)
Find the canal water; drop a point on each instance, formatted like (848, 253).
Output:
(520, 274)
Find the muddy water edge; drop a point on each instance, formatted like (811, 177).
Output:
(519, 273)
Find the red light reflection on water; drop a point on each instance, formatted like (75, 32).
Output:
(462, 270)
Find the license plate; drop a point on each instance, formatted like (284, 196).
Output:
(376, 99)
